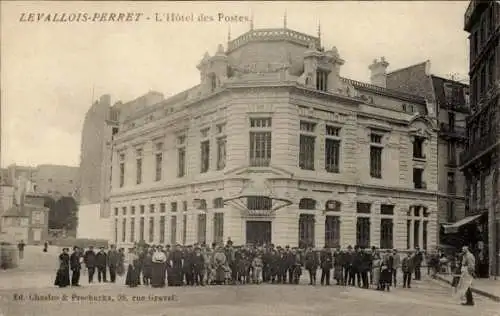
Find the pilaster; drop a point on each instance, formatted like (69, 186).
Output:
(375, 224)
(319, 230)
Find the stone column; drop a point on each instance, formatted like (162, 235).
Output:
(210, 227)
(375, 225)
(410, 233)
(421, 233)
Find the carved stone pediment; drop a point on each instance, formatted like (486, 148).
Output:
(271, 171)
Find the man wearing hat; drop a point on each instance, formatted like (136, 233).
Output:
(347, 265)
(419, 257)
(198, 266)
(326, 262)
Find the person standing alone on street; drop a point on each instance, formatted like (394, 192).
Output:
(20, 247)
(467, 276)
(89, 258)
(74, 262)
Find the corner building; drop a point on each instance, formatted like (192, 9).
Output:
(274, 145)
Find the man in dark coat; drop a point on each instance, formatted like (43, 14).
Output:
(419, 257)
(175, 262)
(311, 265)
(74, 263)
(407, 266)
(89, 258)
(113, 261)
(266, 265)
(101, 264)
(365, 265)
(198, 266)
(187, 267)
(326, 261)
(290, 260)
(355, 267)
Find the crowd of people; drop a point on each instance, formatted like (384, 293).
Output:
(200, 264)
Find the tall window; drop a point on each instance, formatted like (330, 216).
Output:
(122, 170)
(221, 146)
(451, 121)
(321, 80)
(205, 156)
(158, 161)
(132, 210)
(202, 228)
(138, 166)
(132, 229)
(116, 211)
(151, 229)
(418, 178)
(218, 203)
(124, 210)
(451, 183)
(306, 230)
(416, 234)
(162, 229)
(124, 230)
(307, 144)
(173, 207)
(450, 213)
(363, 231)
(181, 156)
(218, 227)
(418, 148)
(141, 229)
(260, 142)
(151, 208)
(173, 229)
(141, 209)
(376, 156)
(332, 149)
(332, 231)
(452, 153)
(162, 208)
(386, 233)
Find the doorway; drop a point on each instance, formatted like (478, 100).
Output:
(259, 232)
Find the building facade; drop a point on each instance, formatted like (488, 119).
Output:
(100, 125)
(480, 160)
(274, 145)
(449, 100)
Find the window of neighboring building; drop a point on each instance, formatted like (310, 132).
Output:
(184, 206)
(173, 207)
(138, 164)
(307, 145)
(451, 183)
(332, 149)
(124, 210)
(363, 208)
(332, 231)
(482, 190)
(116, 211)
(448, 93)
(451, 121)
(218, 203)
(173, 230)
(181, 156)
(363, 232)
(202, 228)
(151, 229)
(418, 178)
(141, 208)
(376, 156)
(151, 208)
(418, 147)
(162, 229)
(158, 161)
(452, 152)
(450, 213)
(221, 152)
(260, 142)
(386, 209)
(213, 82)
(162, 208)
(218, 227)
(50, 180)
(321, 80)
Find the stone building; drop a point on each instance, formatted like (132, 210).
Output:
(449, 100)
(480, 160)
(100, 125)
(274, 145)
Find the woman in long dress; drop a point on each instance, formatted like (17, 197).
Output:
(120, 268)
(158, 269)
(62, 276)
(220, 266)
(132, 277)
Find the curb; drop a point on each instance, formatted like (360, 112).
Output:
(474, 290)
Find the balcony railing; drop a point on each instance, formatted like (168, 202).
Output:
(478, 147)
(452, 131)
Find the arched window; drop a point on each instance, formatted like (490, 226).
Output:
(307, 204)
(218, 203)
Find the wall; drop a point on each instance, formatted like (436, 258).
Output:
(90, 223)
(53, 179)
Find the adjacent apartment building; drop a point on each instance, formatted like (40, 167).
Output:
(274, 145)
(449, 100)
(480, 161)
(100, 125)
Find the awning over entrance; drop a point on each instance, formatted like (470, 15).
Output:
(453, 228)
(257, 199)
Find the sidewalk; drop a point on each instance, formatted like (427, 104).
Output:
(486, 287)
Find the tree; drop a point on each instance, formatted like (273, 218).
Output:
(63, 214)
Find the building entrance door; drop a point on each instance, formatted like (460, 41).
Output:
(259, 232)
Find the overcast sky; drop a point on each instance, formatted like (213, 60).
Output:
(49, 69)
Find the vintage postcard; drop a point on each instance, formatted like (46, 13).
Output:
(250, 158)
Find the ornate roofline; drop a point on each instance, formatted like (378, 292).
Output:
(277, 34)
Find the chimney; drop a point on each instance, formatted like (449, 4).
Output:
(379, 72)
